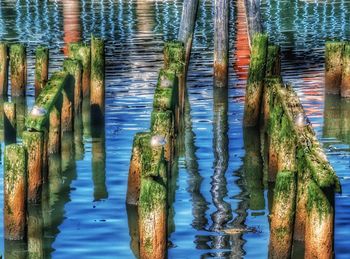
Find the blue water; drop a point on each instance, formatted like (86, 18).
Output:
(87, 216)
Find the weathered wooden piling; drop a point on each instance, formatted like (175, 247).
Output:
(67, 108)
(18, 69)
(152, 219)
(82, 52)
(333, 66)
(255, 82)
(15, 192)
(133, 223)
(273, 62)
(345, 82)
(21, 113)
(41, 68)
(34, 142)
(4, 67)
(319, 224)
(221, 41)
(54, 136)
(10, 123)
(97, 95)
(75, 69)
(282, 216)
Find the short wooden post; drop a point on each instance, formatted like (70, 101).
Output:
(282, 216)
(255, 82)
(82, 53)
(18, 67)
(221, 43)
(21, 113)
(97, 96)
(67, 108)
(319, 229)
(54, 138)
(75, 69)
(33, 142)
(15, 192)
(10, 127)
(4, 67)
(333, 66)
(345, 82)
(41, 68)
(152, 220)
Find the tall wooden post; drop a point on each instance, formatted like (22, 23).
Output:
(41, 68)
(18, 66)
(4, 66)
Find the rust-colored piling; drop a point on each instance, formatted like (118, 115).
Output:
(221, 43)
(54, 137)
(34, 142)
(333, 66)
(18, 67)
(67, 108)
(15, 192)
(319, 229)
(300, 212)
(10, 123)
(97, 95)
(282, 216)
(345, 82)
(41, 68)
(4, 67)
(82, 52)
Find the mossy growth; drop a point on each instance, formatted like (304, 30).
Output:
(3, 53)
(15, 166)
(41, 59)
(97, 59)
(162, 122)
(81, 52)
(164, 99)
(32, 138)
(285, 184)
(273, 61)
(317, 200)
(174, 56)
(72, 66)
(46, 100)
(346, 60)
(153, 196)
(17, 56)
(258, 56)
(167, 79)
(333, 54)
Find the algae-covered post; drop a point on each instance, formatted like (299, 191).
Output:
(345, 82)
(4, 66)
(333, 66)
(54, 137)
(15, 192)
(34, 142)
(10, 123)
(75, 68)
(18, 68)
(67, 108)
(319, 224)
(82, 52)
(97, 96)
(41, 68)
(256, 78)
(221, 43)
(187, 24)
(282, 216)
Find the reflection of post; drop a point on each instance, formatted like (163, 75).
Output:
(15, 249)
(253, 171)
(331, 127)
(345, 120)
(35, 232)
(133, 219)
(99, 163)
(71, 22)
(145, 16)
(21, 111)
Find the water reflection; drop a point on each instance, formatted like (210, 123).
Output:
(71, 22)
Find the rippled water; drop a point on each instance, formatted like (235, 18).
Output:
(219, 184)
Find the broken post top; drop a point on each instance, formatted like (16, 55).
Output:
(174, 56)
(39, 115)
(41, 51)
(71, 65)
(81, 52)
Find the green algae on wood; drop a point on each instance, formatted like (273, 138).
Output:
(167, 79)
(165, 99)
(82, 52)
(174, 56)
(333, 66)
(255, 83)
(38, 117)
(34, 144)
(97, 88)
(41, 68)
(67, 109)
(18, 68)
(15, 192)
(4, 67)
(273, 62)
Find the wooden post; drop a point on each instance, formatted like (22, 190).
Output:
(333, 66)
(301, 201)
(15, 192)
(345, 82)
(33, 142)
(221, 43)
(21, 113)
(255, 82)
(319, 229)
(4, 66)
(82, 53)
(54, 138)
(67, 108)
(97, 96)
(75, 69)
(282, 216)
(133, 223)
(18, 65)
(187, 24)
(41, 68)
(10, 127)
